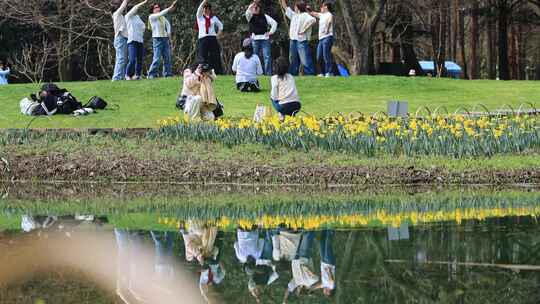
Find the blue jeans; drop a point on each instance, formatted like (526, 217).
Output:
(163, 245)
(162, 48)
(288, 109)
(266, 47)
(327, 252)
(120, 45)
(300, 53)
(306, 242)
(136, 53)
(324, 52)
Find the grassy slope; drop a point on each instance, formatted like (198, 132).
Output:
(143, 102)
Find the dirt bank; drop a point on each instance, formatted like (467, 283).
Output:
(126, 167)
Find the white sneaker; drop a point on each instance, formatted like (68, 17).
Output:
(320, 75)
(328, 75)
(128, 78)
(136, 77)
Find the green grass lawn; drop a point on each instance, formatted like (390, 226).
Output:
(142, 103)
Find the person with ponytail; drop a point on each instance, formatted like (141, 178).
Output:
(247, 67)
(209, 27)
(284, 95)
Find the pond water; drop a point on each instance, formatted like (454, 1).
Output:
(436, 247)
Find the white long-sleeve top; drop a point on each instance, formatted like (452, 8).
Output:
(161, 27)
(119, 21)
(248, 244)
(135, 25)
(273, 25)
(301, 25)
(246, 69)
(216, 26)
(284, 90)
(326, 25)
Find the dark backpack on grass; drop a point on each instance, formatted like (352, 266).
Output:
(96, 103)
(218, 112)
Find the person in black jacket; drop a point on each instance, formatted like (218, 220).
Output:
(261, 27)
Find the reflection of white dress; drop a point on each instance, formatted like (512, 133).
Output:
(199, 240)
(302, 274)
(285, 245)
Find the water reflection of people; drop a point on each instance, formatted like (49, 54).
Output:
(203, 244)
(261, 271)
(129, 244)
(66, 224)
(328, 263)
(163, 246)
(304, 277)
(212, 272)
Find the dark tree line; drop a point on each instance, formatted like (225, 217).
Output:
(72, 39)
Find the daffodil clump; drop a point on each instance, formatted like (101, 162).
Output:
(455, 135)
(378, 218)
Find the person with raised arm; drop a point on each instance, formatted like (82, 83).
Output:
(161, 37)
(261, 27)
(120, 41)
(136, 28)
(326, 38)
(209, 27)
(300, 33)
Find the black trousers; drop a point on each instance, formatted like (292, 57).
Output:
(209, 52)
(248, 86)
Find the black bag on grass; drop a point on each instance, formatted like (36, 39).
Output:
(96, 103)
(218, 112)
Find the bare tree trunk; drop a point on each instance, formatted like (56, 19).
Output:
(440, 30)
(491, 42)
(475, 37)
(502, 20)
(513, 49)
(455, 30)
(354, 63)
(362, 60)
(462, 42)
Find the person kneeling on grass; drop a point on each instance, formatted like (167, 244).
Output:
(247, 67)
(197, 99)
(284, 94)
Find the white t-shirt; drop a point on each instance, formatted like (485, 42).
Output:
(216, 26)
(302, 274)
(328, 276)
(326, 26)
(284, 90)
(136, 28)
(246, 69)
(248, 244)
(119, 21)
(285, 245)
(161, 27)
(300, 23)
